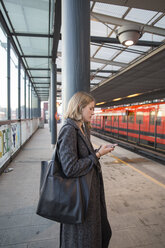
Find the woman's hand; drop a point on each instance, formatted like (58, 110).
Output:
(104, 149)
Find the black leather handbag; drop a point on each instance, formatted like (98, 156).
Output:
(63, 199)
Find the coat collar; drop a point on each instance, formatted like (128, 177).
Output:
(71, 122)
(85, 138)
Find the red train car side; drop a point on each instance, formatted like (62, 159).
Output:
(141, 124)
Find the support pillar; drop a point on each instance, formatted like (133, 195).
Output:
(19, 89)
(75, 48)
(8, 81)
(53, 106)
(29, 99)
(25, 95)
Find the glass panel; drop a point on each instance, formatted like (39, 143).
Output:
(37, 62)
(95, 66)
(41, 80)
(27, 98)
(95, 81)
(140, 48)
(154, 18)
(152, 37)
(126, 57)
(110, 9)
(34, 45)
(105, 53)
(103, 74)
(3, 75)
(99, 29)
(112, 67)
(33, 16)
(161, 23)
(39, 73)
(22, 93)
(14, 84)
(41, 85)
(140, 15)
(34, 105)
(93, 49)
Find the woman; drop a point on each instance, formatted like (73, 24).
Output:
(77, 158)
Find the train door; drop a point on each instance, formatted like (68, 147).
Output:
(131, 134)
(115, 126)
(152, 128)
(160, 129)
(143, 128)
(107, 123)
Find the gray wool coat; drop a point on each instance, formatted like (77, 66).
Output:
(77, 158)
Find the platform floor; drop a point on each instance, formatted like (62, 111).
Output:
(135, 196)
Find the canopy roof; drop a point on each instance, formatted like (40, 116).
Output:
(116, 71)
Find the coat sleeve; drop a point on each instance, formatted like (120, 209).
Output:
(72, 165)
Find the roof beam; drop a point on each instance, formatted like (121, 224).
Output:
(104, 71)
(41, 83)
(122, 22)
(32, 35)
(108, 62)
(59, 70)
(40, 77)
(98, 39)
(38, 69)
(36, 56)
(98, 77)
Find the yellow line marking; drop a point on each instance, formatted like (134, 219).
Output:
(140, 172)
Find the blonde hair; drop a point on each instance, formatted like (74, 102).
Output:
(78, 101)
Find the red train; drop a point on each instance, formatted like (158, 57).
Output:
(141, 124)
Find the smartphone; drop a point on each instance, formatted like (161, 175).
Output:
(112, 145)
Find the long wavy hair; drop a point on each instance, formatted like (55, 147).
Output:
(77, 102)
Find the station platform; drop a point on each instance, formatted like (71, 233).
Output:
(135, 196)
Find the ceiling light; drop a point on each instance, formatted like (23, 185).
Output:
(100, 103)
(134, 95)
(117, 99)
(129, 35)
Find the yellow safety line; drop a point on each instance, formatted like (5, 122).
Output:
(140, 172)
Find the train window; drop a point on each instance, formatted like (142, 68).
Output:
(139, 117)
(131, 117)
(124, 118)
(115, 118)
(152, 118)
(159, 117)
(109, 118)
(97, 118)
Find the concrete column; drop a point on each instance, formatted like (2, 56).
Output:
(19, 89)
(25, 95)
(53, 105)
(49, 109)
(8, 80)
(75, 48)
(29, 99)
